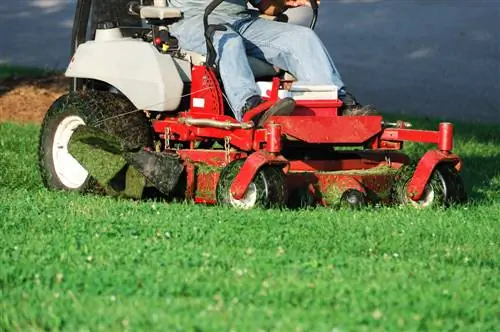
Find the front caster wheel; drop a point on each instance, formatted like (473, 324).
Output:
(353, 199)
(445, 188)
(266, 190)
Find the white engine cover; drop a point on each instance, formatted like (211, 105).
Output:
(149, 79)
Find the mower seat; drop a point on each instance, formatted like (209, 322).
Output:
(259, 68)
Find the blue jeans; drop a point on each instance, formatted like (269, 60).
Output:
(293, 48)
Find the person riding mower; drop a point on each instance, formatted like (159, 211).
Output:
(189, 102)
(238, 33)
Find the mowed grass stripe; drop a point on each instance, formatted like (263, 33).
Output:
(75, 262)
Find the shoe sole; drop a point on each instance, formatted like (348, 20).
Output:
(283, 107)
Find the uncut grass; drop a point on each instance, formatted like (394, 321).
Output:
(71, 262)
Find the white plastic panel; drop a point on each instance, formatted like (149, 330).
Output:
(149, 79)
(301, 92)
(314, 92)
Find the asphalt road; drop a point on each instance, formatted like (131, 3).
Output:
(439, 58)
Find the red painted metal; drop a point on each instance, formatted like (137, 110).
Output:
(386, 145)
(327, 108)
(259, 138)
(334, 130)
(332, 165)
(424, 170)
(327, 188)
(251, 166)
(326, 179)
(248, 116)
(445, 142)
(275, 89)
(203, 168)
(190, 180)
(206, 95)
(200, 200)
(206, 185)
(423, 136)
(322, 103)
(346, 182)
(344, 164)
(273, 138)
(273, 94)
(312, 122)
(241, 138)
(443, 138)
(215, 158)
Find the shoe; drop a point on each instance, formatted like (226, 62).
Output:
(351, 107)
(282, 107)
(252, 102)
(366, 110)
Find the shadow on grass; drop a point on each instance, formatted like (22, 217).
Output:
(481, 173)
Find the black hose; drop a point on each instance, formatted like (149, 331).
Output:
(209, 32)
(79, 33)
(314, 6)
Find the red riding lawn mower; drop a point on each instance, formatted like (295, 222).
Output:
(145, 116)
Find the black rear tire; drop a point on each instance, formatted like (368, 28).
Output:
(268, 189)
(107, 111)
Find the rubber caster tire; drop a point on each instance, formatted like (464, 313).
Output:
(301, 198)
(267, 190)
(353, 199)
(109, 112)
(445, 188)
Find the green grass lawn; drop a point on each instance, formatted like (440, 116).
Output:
(71, 262)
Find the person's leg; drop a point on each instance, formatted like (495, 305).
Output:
(299, 51)
(234, 69)
(293, 48)
(238, 79)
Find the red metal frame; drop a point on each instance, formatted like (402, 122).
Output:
(313, 122)
(206, 96)
(250, 167)
(424, 170)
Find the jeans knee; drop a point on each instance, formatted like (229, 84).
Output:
(229, 42)
(303, 32)
(303, 38)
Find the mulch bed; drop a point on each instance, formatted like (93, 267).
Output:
(26, 99)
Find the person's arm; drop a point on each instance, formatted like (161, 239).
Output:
(276, 7)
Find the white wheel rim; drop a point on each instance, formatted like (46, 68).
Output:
(68, 169)
(248, 201)
(426, 199)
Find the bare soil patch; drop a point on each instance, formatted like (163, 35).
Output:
(26, 99)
